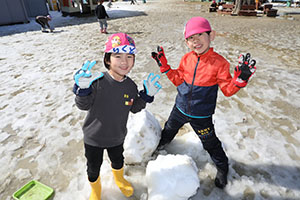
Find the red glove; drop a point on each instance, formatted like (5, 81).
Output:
(244, 70)
(161, 60)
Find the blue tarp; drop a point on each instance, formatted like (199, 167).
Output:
(19, 11)
(12, 11)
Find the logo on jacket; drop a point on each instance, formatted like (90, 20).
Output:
(128, 103)
(204, 131)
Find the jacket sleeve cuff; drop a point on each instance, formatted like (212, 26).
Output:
(239, 83)
(81, 92)
(146, 97)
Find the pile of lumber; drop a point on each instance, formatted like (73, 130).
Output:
(226, 9)
(248, 10)
(269, 11)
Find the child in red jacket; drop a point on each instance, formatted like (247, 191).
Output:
(199, 75)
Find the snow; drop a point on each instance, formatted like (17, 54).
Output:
(142, 138)
(40, 127)
(172, 177)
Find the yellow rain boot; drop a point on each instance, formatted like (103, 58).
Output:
(125, 187)
(96, 190)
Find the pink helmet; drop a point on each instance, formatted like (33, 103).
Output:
(196, 25)
(120, 43)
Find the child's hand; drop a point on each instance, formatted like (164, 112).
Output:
(245, 69)
(161, 60)
(151, 87)
(84, 78)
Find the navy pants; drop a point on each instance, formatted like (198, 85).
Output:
(40, 22)
(94, 156)
(205, 130)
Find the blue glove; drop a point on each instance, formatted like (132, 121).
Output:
(152, 85)
(84, 78)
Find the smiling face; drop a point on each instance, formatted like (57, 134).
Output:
(200, 42)
(120, 64)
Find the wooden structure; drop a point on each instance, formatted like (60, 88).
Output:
(247, 10)
(269, 11)
(226, 9)
(77, 7)
(54, 4)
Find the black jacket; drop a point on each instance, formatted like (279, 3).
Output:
(43, 21)
(108, 107)
(100, 12)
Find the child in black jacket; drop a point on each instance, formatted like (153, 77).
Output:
(109, 97)
(101, 15)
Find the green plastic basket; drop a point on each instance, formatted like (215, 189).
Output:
(33, 190)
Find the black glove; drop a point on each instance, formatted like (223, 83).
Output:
(245, 69)
(161, 60)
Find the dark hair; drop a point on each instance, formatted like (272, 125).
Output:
(106, 59)
(208, 32)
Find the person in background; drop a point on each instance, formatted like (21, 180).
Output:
(43, 21)
(101, 15)
(257, 4)
(213, 6)
(109, 3)
(132, 2)
(108, 98)
(200, 74)
(58, 5)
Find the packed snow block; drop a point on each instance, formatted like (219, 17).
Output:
(143, 135)
(172, 177)
(188, 144)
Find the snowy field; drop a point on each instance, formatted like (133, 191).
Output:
(40, 127)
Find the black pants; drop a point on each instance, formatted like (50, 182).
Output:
(205, 130)
(40, 23)
(94, 156)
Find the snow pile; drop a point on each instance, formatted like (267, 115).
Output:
(142, 137)
(188, 144)
(172, 177)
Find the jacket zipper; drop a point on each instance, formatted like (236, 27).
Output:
(191, 92)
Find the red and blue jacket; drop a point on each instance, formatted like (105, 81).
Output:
(198, 78)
